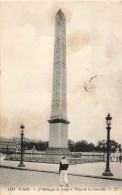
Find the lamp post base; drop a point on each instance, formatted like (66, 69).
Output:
(21, 164)
(107, 172)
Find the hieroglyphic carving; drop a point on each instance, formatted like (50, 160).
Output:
(59, 69)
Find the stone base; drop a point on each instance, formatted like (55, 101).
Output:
(107, 173)
(58, 151)
(21, 165)
(58, 136)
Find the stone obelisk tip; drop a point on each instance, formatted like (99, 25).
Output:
(60, 12)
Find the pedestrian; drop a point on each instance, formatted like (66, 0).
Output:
(120, 158)
(64, 164)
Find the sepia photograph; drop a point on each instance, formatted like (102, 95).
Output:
(60, 97)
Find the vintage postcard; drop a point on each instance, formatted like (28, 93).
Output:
(61, 97)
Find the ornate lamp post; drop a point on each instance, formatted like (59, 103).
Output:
(107, 171)
(22, 133)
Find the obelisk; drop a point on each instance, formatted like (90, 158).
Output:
(58, 132)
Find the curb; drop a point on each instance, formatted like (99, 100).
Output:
(72, 174)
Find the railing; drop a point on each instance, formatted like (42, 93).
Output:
(43, 157)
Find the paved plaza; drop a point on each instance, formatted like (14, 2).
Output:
(40, 177)
(87, 169)
(21, 178)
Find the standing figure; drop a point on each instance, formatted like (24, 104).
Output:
(64, 164)
(120, 158)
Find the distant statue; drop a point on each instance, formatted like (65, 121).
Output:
(33, 149)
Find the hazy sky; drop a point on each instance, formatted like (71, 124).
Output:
(94, 49)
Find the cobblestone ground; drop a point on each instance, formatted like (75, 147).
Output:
(21, 178)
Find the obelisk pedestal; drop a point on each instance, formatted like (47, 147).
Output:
(58, 132)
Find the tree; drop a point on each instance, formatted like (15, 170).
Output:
(71, 145)
(101, 146)
(39, 146)
(113, 145)
(84, 146)
(91, 147)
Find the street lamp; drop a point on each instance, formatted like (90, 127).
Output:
(107, 171)
(21, 133)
